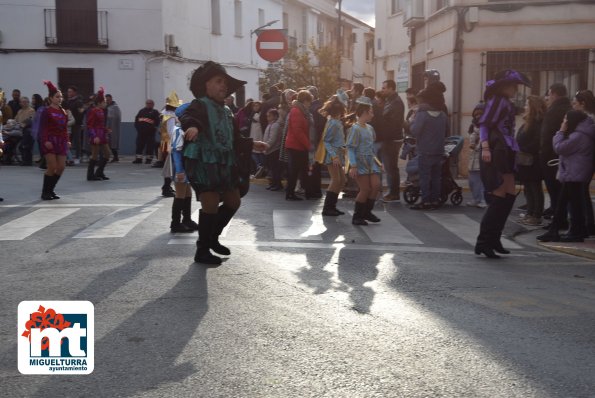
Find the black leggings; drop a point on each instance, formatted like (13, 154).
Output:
(571, 194)
(145, 140)
(297, 167)
(534, 196)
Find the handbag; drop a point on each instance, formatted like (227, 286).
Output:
(524, 159)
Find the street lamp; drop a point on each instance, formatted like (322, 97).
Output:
(266, 25)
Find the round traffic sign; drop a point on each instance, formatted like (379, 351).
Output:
(271, 44)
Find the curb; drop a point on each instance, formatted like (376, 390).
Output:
(572, 250)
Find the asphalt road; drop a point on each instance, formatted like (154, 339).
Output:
(304, 306)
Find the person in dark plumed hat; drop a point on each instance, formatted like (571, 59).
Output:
(497, 165)
(217, 157)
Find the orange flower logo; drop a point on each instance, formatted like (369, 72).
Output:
(43, 319)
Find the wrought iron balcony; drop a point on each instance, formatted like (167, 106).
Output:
(75, 28)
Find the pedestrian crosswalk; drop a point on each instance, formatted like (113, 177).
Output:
(116, 224)
(301, 228)
(27, 225)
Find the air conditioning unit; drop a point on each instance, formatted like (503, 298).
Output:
(413, 14)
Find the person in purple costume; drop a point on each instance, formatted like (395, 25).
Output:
(497, 165)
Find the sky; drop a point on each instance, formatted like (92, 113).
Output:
(361, 9)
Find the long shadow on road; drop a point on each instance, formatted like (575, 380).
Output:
(141, 353)
(527, 317)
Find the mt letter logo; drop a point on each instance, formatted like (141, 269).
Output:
(56, 337)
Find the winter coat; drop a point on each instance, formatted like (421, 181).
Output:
(429, 129)
(529, 142)
(272, 136)
(474, 149)
(255, 128)
(389, 127)
(114, 118)
(575, 152)
(298, 130)
(551, 123)
(147, 120)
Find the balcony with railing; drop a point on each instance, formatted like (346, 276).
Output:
(75, 28)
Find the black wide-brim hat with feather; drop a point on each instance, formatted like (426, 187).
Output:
(200, 77)
(503, 78)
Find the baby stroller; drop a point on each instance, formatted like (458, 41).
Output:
(12, 135)
(449, 187)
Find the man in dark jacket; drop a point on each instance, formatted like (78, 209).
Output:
(271, 103)
(15, 103)
(75, 105)
(558, 105)
(389, 136)
(146, 123)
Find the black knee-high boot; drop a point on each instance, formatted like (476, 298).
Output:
(369, 216)
(187, 214)
(330, 203)
(166, 189)
(91, 171)
(225, 215)
(359, 214)
(176, 213)
(505, 212)
(54, 181)
(490, 227)
(99, 172)
(45, 190)
(206, 227)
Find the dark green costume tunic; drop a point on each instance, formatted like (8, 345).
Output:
(215, 162)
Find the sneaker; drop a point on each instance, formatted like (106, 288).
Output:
(481, 205)
(390, 198)
(472, 203)
(137, 161)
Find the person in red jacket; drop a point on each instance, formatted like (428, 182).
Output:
(297, 142)
(98, 138)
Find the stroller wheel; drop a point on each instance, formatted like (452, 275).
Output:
(456, 198)
(411, 194)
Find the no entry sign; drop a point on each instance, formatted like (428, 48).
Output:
(271, 45)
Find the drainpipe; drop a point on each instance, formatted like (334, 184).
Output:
(458, 73)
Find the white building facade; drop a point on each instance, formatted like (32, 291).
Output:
(468, 41)
(136, 49)
(139, 49)
(391, 44)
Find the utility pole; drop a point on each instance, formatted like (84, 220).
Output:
(339, 42)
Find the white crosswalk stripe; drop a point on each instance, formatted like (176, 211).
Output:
(302, 227)
(464, 227)
(297, 225)
(389, 230)
(117, 224)
(25, 226)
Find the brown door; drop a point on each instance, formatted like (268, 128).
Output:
(76, 22)
(80, 77)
